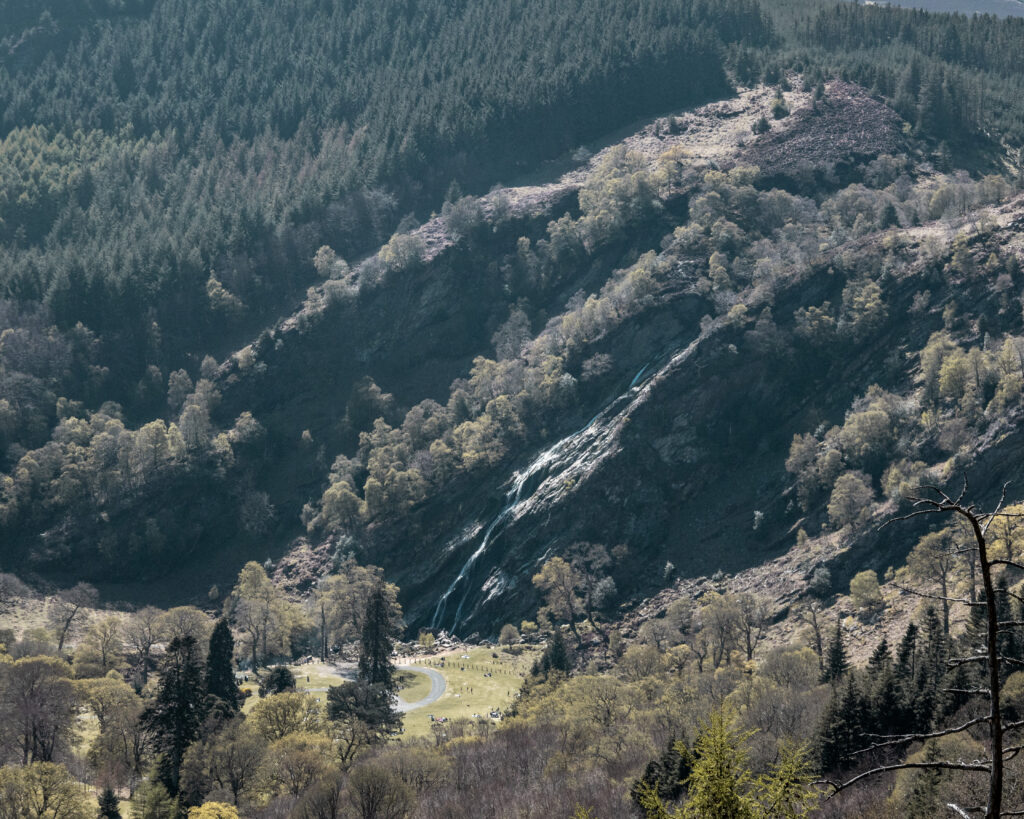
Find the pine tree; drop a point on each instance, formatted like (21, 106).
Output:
(885, 714)
(665, 775)
(906, 657)
(375, 666)
(1009, 643)
(175, 718)
(881, 661)
(220, 674)
(836, 664)
(842, 728)
(882, 694)
(108, 805)
(931, 668)
(719, 784)
(556, 655)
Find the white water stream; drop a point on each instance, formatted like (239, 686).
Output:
(564, 450)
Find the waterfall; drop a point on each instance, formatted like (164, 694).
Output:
(571, 444)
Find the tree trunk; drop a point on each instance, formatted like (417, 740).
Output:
(995, 790)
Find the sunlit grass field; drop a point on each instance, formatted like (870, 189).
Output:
(468, 690)
(413, 685)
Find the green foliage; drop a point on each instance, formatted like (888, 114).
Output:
(175, 717)
(375, 666)
(278, 681)
(851, 499)
(153, 802)
(787, 792)
(836, 663)
(362, 715)
(108, 805)
(970, 83)
(556, 657)
(281, 139)
(43, 789)
(719, 785)
(865, 592)
(863, 310)
(220, 670)
(213, 810)
(663, 778)
(509, 635)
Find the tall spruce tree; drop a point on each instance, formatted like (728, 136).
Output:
(720, 783)
(882, 696)
(375, 666)
(174, 720)
(665, 775)
(906, 656)
(923, 800)
(366, 707)
(881, 661)
(109, 805)
(842, 731)
(220, 672)
(836, 664)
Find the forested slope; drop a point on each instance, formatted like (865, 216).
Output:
(224, 326)
(170, 169)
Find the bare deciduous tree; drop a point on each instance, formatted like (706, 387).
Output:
(68, 607)
(934, 501)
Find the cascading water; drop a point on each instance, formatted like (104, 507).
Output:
(514, 499)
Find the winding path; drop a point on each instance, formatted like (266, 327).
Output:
(437, 687)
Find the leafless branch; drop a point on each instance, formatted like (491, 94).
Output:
(979, 766)
(930, 596)
(894, 739)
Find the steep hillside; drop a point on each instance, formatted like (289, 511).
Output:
(621, 356)
(677, 449)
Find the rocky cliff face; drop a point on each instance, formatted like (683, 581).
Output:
(686, 462)
(678, 452)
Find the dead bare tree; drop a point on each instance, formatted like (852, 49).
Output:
(931, 500)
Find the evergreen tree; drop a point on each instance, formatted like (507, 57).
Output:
(556, 654)
(842, 728)
(906, 656)
(836, 664)
(719, 784)
(175, 718)
(881, 661)
(931, 668)
(1009, 638)
(220, 674)
(365, 707)
(665, 775)
(885, 713)
(108, 805)
(375, 666)
(963, 678)
(882, 694)
(279, 680)
(787, 791)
